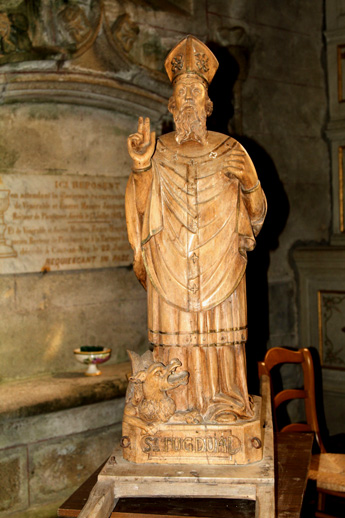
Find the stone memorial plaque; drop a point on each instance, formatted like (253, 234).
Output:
(51, 222)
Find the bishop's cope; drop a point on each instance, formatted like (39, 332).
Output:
(194, 205)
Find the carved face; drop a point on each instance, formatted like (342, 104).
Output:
(190, 106)
(190, 91)
(158, 378)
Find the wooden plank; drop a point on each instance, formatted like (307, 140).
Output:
(126, 472)
(183, 507)
(328, 469)
(265, 493)
(292, 456)
(293, 453)
(101, 501)
(265, 504)
(73, 505)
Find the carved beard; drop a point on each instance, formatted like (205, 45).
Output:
(190, 124)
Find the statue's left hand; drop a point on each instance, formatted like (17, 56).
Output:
(240, 165)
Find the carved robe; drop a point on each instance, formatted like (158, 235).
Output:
(192, 239)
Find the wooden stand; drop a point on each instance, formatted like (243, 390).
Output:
(120, 478)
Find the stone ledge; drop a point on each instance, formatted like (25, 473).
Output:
(61, 391)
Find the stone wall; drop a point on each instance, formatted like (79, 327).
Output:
(284, 112)
(73, 82)
(55, 431)
(270, 93)
(43, 461)
(46, 314)
(282, 98)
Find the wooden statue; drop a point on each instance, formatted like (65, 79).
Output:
(194, 205)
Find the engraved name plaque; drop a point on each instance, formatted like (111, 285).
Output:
(50, 222)
(222, 445)
(173, 443)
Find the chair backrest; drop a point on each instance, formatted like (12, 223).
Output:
(278, 356)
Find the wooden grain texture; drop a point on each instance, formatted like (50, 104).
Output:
(125, 472)
(101, 500)
(183, 443)
(328, 469)
(189, 55)
(194, 206)
(279, 356)
(265, 502)
(292, 456)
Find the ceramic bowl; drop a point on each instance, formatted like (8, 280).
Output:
(92, 359)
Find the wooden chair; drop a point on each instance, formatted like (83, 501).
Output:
(277, 356)
(327, 469)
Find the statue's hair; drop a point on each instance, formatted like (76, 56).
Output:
(208, 105)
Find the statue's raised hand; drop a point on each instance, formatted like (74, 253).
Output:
(141, 145)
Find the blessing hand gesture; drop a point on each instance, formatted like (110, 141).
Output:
(141, 145)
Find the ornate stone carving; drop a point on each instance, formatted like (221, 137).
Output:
(14, 39)
(40, 29)
(75, 23)
(66, 29)
(125, 31)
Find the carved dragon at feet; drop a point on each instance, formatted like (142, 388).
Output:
(147, 401)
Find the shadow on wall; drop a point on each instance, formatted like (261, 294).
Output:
(225, 92)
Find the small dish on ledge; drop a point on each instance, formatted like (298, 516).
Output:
(92, 356)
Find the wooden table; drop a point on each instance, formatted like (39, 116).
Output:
(292, 459)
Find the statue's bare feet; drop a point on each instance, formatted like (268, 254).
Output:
(193, 417)
(189, 416)
(221, 413)
(225, 417)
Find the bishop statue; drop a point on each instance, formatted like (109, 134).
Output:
(194, 206)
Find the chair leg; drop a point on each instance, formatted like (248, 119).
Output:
(321, 500)
(323, 515)
(322, 494)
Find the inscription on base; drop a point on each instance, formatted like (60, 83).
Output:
(50, 222)
(220, 445)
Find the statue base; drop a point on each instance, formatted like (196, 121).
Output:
(239, 443)
(122, 479)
